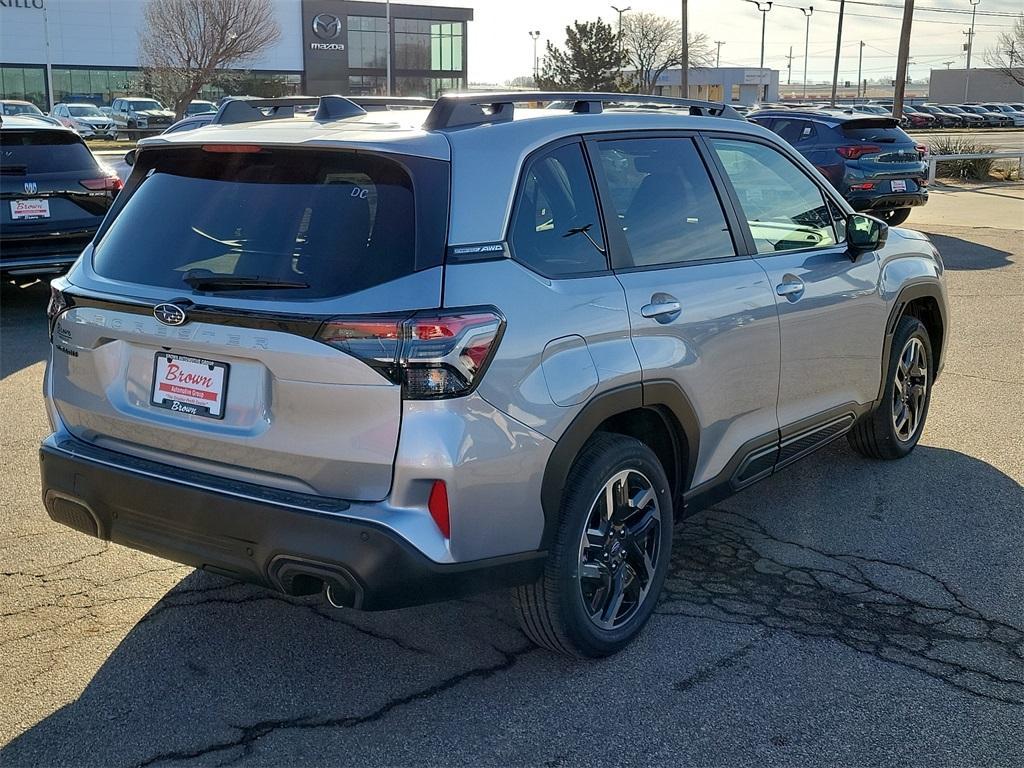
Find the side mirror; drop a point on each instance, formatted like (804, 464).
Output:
(129, 157)
(865, 233)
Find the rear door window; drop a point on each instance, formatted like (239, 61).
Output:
(329, 223)
(664, 201)
(796, 132)
(39, 152)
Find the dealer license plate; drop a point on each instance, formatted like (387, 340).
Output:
(899, 185)
(189, 385)
(30, 209)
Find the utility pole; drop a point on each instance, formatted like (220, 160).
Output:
(535, 34)
(807, 42)
(49, 65)
(839, 44)
(387, 15)
(684, 64)
(949, 63)
(718, 58)
(970, 48)
(902, 60)
(619, 11)
(789, 67)
(860, 61)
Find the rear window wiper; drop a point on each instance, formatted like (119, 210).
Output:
(208, 281)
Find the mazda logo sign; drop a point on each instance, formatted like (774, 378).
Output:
(170, 314)
(326, 26)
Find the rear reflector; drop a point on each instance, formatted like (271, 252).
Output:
(250, 149)
(438, 506)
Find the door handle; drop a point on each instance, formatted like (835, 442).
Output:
(791, 287)
(663, 307)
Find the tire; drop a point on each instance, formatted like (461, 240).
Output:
(881, 434)
(556, 610)
(894, 217)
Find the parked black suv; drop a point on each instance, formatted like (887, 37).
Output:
(54, 196)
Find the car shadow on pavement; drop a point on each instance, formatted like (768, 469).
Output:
(219, 672)
(958, 253)
(23, 340)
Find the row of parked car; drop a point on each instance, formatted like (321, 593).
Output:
(925, 116)
(127, 117)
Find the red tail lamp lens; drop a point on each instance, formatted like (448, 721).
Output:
(858, 151)
(110, 184)
(438, 506)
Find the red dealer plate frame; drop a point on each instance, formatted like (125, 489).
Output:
(202, 393)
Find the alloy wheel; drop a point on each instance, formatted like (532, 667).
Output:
(619, 549)
(910, 390)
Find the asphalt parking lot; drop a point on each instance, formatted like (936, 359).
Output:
(845, 612)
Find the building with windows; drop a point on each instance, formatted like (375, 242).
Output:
(87, 50)
(733, 85)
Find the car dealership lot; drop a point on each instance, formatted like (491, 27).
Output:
(844, 612)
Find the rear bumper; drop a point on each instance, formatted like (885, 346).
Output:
(38, 265)
(278, 542)
(888, 202)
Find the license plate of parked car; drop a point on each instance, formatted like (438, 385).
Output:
(189, 385)
(30, 209)
(899, 185)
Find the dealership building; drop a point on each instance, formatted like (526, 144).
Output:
(88, 50)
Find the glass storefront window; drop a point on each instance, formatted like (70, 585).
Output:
(367, 42)
(24, 84)
(366, 85)
(431, 87)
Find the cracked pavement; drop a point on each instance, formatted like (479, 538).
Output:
(844, 612)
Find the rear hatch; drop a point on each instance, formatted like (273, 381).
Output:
(879, 152)
(54, 193)
(198, 341)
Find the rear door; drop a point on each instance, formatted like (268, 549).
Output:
(830, 312)
(170, 355)
(702, 316)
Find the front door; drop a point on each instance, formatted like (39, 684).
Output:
(701, 315)
(829, 305)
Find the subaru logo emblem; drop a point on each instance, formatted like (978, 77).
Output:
(170, 314)
(31, 187)
(326, 26)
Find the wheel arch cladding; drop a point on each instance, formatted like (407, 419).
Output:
(923, 300)
(657, 413)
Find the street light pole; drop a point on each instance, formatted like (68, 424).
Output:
(620, 11)
(763, 7)
(860, 63)
(839, 45)
(684, 56)
(807, 42)
(387, 15)
(970, 48)
(535, 34)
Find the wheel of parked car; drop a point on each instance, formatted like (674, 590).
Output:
(610, 556)
(892, 430)
(895, 217)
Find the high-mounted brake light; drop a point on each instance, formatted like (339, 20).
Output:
(431, 354)
(858, 151)
(244, 149)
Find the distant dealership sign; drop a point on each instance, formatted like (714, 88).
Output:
(326, 26)
(26, 4)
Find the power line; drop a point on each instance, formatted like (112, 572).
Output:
(961, 11)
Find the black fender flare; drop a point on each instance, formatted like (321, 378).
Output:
(919, 290)
(665, 396)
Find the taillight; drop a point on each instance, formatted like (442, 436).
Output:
(235, 149)
(922, 150)
(858, 151)
(863, 186)
(111, 184)
(55, 308)
(431, 354)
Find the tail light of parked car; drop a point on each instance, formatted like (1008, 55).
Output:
(858, 151)
(436, 354)
(111, 183)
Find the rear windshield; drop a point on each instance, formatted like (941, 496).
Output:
(330, 223)
(862, 130)
(35, 152)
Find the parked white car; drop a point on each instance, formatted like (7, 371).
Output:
(85, 119)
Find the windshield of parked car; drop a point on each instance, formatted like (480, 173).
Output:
(955, 110)
(22, 109)
(140, 106)
(86, 110)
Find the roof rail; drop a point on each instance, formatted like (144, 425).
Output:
(464, 109)
(247, 109)
(381, 103)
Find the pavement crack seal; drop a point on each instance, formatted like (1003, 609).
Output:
(717, 667)
(728, 568)
(249, 734)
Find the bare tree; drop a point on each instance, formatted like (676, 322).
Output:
(187, 43)
(652, 43)
(1008, 55)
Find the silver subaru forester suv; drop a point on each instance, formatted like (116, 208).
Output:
(401, 355)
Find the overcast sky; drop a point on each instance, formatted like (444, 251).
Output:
(500, 47)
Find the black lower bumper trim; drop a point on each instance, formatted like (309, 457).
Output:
(290, 550)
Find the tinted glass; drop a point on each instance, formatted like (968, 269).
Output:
(795, 131)
(875, 134)
(24, 152)
(784, 208)
(21, 109)
(556, 230)
(665, 201)
(141, 106)
(339, 222)
(85, 111)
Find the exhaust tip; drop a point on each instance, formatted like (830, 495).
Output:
(299, 577)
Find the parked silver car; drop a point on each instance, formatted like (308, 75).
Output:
(84, 119)
(402, 356)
